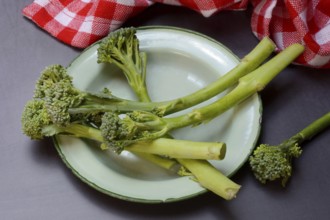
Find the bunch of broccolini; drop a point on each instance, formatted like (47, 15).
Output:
(59, 108)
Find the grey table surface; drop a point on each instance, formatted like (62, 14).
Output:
(35, 184)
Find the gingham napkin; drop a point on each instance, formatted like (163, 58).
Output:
(79, 23)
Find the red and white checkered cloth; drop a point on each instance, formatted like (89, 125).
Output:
(79, 23)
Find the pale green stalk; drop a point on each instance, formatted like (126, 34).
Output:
(309, 132)
(163, 146)
(181, 148)
(249, 63)
(247, 86)
(211, 178)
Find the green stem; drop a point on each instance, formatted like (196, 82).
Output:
(166, 163)
(316, 127)
(135, 72)
(211, 178)
(250, 62)
(181, 148)
(122, 106)
(82, 131)
(310, 131)
(162, 146)
(247, 86)
(141, 87)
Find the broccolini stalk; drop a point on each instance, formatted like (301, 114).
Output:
(169, 164)
(249, 63)
(121, 47)
(270, 163)
(37, 124)
(248, 85)
(211, 178)
(139, 125)
(193, 149)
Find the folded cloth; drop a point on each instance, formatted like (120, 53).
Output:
(296, 21)
(80, 23)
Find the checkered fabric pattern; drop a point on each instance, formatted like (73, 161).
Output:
(296, 21)
(82, 22)
(79, 23)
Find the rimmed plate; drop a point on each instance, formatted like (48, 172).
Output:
(179, 62)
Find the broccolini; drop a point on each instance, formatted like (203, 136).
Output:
(270, 163)
(121, 47)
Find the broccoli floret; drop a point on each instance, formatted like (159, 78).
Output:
(34, 118)
(269, 163)
(48, 77)
(141, 125)
(121, 48)
(59, 98)
(273, 162)
(37, 124)
(122, 130)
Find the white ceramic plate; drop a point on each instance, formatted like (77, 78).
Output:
(179, 62)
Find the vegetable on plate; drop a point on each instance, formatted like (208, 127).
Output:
(143, 127)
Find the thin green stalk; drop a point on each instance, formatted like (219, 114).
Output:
(181, 148)
(104, 103)
(249, 63)
(136, 75)
(140, 87)
(162, 146)
(309, 132)
(247, 86)
(168, 164)
(80, 131)
(210, 178)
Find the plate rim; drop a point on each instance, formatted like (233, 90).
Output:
(168, 200)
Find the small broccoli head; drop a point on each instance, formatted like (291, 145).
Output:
(50, 76)
(270, 163)
(59, 98)
(151, 126)
(117, 132)
(34, 118)
(122, 130)
(120, 42)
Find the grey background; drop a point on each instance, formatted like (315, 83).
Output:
(35, 184)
